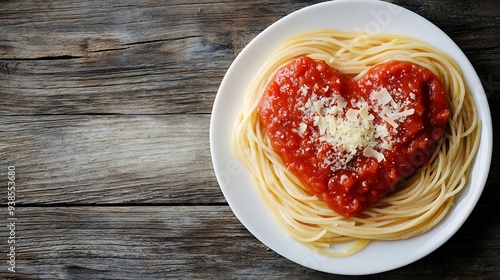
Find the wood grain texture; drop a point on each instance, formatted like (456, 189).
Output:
(201, 242)
(105, 109)
(110, 159)
(154, 57)
(127, 57)
(105, 159)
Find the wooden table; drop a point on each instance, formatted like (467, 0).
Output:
(105, 111)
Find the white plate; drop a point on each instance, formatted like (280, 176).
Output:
(235, 181)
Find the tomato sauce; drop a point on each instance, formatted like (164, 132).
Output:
(352, 183)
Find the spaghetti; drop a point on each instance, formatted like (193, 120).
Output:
(418, 203)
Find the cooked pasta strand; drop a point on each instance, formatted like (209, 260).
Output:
(420, 202)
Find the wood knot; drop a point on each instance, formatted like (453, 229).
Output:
(7, 68)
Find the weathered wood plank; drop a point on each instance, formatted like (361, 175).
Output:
(83, 27)
(109, 159)
(151, 57)
(63, 62)
(122, 56)
(473, 25)
(202, 242)
(156, 159)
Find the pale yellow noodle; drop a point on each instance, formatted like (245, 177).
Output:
(419, 203)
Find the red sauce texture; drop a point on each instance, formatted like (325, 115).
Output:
(363, 180)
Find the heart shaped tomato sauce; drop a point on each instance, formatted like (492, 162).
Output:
(350, 142)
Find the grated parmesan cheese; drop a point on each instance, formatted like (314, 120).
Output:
(302, 129)
(353, 130)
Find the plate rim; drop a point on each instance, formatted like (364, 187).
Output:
(471, 199)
